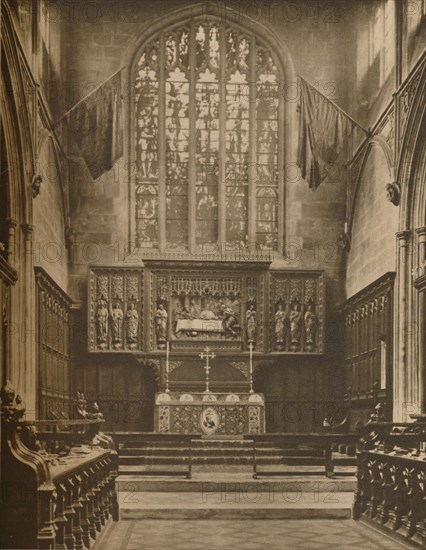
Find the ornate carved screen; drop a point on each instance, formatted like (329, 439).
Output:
(207, 141)
(140, 309)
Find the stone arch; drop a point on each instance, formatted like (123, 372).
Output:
(288, 116)
(409, 312)
(373, 220)
(375, 142)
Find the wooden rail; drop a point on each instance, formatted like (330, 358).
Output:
(149, 437)
(314, 441)
(391, 472)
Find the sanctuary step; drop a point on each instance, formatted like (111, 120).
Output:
(233, 496)
(148, 454)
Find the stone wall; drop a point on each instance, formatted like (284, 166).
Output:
(375, 222)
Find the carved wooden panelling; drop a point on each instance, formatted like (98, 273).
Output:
(115, 309)
(53, 316)
(296, 312)
(368, 329)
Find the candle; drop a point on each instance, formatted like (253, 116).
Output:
(167, 357)
(251, 366)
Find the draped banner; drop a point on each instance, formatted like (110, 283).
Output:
(96, 126)
(323, 131)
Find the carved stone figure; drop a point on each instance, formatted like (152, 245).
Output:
(230, 320)
(311, 324)
(280, 327)
(161, 326)
(251, 324)
(295, 327)
(102, 323)
(117, 325)
(132, 318)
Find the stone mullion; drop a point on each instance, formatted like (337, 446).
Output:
(252, 173)
(281, 160)
(192, 145)
(222, 140)
(161, 148)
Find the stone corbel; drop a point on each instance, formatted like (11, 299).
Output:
(419, 272)
(345, 241)
(393, 191)
(36, 185)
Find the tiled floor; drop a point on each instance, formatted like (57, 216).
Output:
(243, 535)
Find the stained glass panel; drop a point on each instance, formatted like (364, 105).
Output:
(194, 97)
(207, 157)
(146, 102)
(267, 151)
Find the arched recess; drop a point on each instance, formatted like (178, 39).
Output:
(50, 214)
(18, 151)
(410, 300)
(288, 116)
(373, 220)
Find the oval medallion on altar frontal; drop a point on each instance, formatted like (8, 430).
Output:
(209, 421)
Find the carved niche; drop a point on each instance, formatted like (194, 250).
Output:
(204, 308)
(296, 312)
(115, 309)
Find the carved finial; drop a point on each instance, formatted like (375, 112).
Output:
(36, 185)
(393, 191)
(12, 406)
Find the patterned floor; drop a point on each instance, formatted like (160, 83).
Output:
(243, 535)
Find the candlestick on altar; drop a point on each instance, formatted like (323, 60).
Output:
(207, 355)
(251, 367)
(167, 367)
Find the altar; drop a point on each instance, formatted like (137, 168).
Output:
(210, 414)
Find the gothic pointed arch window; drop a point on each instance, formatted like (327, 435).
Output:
(207, 129)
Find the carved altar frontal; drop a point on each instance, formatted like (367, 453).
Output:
(210, 414)
(228, 306)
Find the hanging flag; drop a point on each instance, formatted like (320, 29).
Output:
(95, 125)
(323, 131)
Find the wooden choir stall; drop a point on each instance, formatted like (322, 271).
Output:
(58, 477)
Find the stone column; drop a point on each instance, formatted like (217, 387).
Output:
(421, 315)
(27, 369)
(400, 380)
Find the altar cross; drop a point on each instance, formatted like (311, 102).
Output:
(207, 354)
